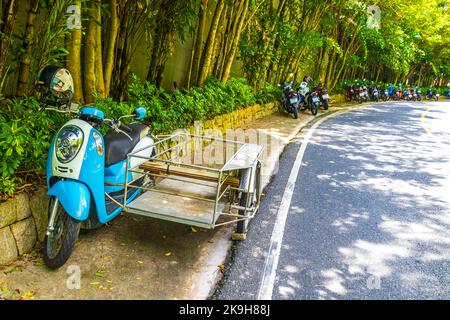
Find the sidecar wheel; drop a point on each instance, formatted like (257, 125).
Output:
(242, 226)
(59, 245)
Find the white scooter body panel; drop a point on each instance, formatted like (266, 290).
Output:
(71, 169)
(146, 144)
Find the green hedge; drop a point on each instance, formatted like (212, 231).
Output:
(26, 133)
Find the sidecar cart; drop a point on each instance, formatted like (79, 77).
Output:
(197, 180)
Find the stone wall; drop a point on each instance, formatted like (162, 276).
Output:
(23, 221)
(239, 118)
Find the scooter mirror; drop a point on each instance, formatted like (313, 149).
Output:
(291, 75)
(139, 113)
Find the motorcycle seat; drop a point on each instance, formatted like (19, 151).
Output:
(118, 145)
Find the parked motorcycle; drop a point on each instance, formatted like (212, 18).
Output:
(399, 94)
(432, 95)
(447, 94)
(375, 94)
(308, 99)
(86, 169)
(324, 98)
(350, 93)
(363, 95)
(407, 95)
(289, 99)
(384, 95)
(418, 94)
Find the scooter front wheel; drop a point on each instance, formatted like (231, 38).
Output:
(295, 111)
(314, 109)
(59, 243)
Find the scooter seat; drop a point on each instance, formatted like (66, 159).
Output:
(118, 145)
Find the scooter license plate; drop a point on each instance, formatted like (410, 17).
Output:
(325, 96)
(315, 99)
(293, 100)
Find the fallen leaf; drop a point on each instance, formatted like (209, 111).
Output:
(106, 258)
(4, 289)
(95, 283)
(192, 229)
(123, 244)
(167, 254)
(221, 266)
(109, 281)
(9, 269)
(100, 273)
(27, 295)
(140, 262)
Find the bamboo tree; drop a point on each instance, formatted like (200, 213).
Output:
(232, 52)
(7, 22)
(198, 46)
(90, 81)
(100, 81)
(210, 42)
(25, 60)
(73, 62)
(113, 29)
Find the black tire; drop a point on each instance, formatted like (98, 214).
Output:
(314, 108)
(325, 104)
(296, 113)
(54, 258)
(242, 226)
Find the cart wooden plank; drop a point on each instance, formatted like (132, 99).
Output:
(162, 168)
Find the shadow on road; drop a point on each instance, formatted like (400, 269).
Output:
(372, 216)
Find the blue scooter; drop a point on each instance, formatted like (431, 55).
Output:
(86, 170)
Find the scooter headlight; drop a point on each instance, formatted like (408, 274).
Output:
(68, 143)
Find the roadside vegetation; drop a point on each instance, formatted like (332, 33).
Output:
(238, 51)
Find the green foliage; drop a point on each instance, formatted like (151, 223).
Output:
(167, 111)
(25, 133)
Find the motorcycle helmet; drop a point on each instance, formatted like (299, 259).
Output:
(57, 81)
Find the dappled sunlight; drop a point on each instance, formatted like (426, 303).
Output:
(388, 177)
(344, 224)
(365, 257)
(334, 281)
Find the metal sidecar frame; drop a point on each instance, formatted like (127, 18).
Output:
(179, 189)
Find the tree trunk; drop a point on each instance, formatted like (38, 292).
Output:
(230, 56)
(209, 46)
(90, 81)
(199, 42)
(7, 23)
(73, 62)
(25, 60)
(100, 81)
(111, 45)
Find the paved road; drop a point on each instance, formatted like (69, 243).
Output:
(369, 216)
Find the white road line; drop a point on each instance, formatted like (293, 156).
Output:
(270, 267)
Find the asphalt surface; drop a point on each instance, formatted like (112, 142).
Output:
(370, 212)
